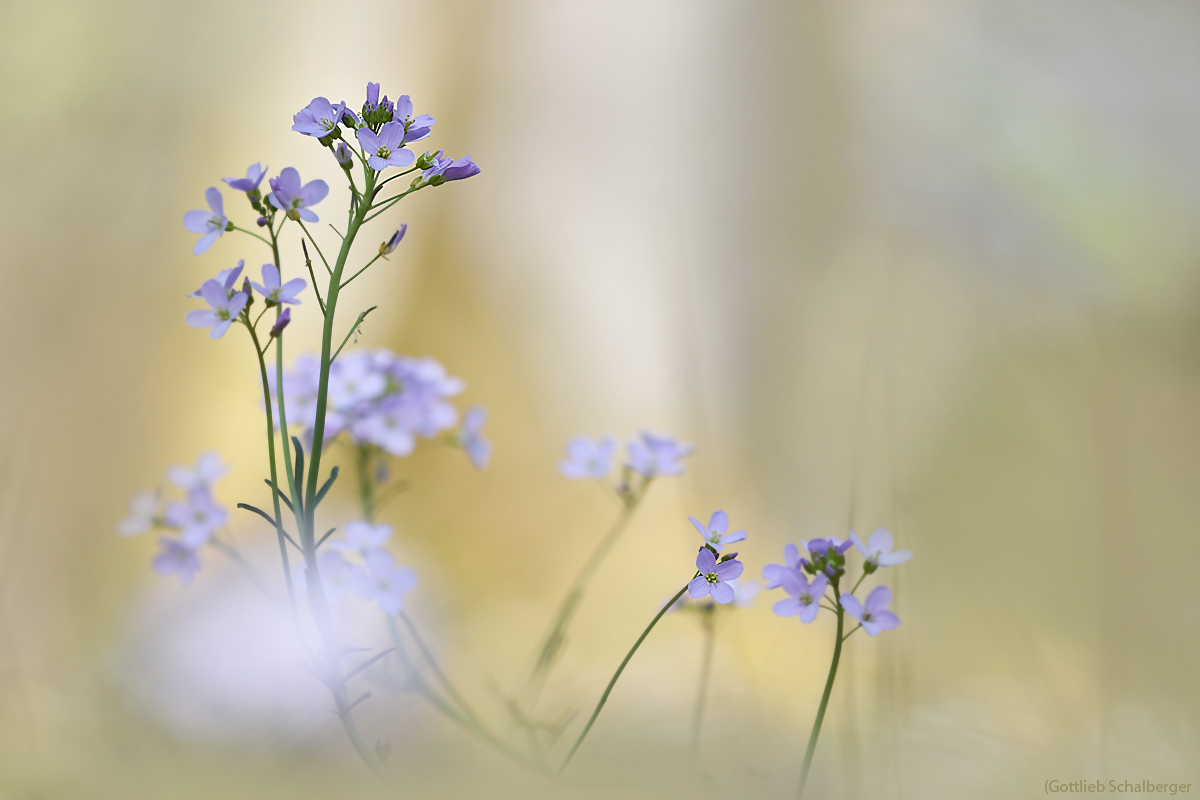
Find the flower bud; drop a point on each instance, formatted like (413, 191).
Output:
(388, 247)
(870, 567)
(249, 292)
(343, 155)
(281, 323)
(729, 556)
(428, 160)
(261, 222)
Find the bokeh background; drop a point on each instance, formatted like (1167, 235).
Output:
(925, 265)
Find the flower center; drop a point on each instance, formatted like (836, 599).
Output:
(384, 151)
(328, 124)
(866, 617)
(714, 536)
(222, 314)
(805, 599)
(711, 577)
(214, 222)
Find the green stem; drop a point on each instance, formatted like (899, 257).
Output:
(252, 233)
(361, 271)
(366, 483)
(608, 690)
(816, 731)
(304, 228)
(350, 333)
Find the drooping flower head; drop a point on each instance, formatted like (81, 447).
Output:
(444, 169)
(227, 278)
(288, 195)
(872, 614)
(386, 148)
(654, 455)
(716, 533)
(714, 578)
(878, 550)
(389, 247)
(319, 118)
(587, 459)
(254, 176)
(273, 292)
(222, 311)
(209, 224)
(383, 582)
(791, 561)
(208, 470)
(470, 437)
(175, 558)
(805, 600)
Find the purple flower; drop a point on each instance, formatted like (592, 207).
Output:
(275, 294)
(714, 577)
(197, 518)
(389, 247)
(445, 169)
(715, 534)
(774, 572)
(386, 148)
(208, 470)
(281, 322)
(288, 195)
(344, 156)
(319, 118)
(374, 112)
(390, 426)
(176, 559)
(820, 547)
(653, 455)
(470, 436)
(355, 382)
(143, 510)
(211, 224)
(805, 600)
(415, 129)
(878, 549)
(588, 460)
(362, 536)
(224, 309)
(383, 582)
(254, 176)
(227, 278)
(873, 614)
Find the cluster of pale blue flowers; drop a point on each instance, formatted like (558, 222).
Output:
(372, 575)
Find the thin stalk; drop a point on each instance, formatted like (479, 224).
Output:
(350, 333)
(252, 233)
(361, 271)
(304, 228)
(710, 636)
(366, 483)
(816, 731)
(608, 690)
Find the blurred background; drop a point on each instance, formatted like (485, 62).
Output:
(928, 265)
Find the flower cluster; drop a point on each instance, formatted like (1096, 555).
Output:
(195, 517)
(226, 303)
(377, 579)
(379, 398)
(649, 456)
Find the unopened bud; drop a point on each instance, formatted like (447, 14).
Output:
(389, 247)
(343, 155)
(261, 222)
(729, 556)
(281, 322)
(428, 160)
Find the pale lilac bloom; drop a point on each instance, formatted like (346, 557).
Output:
(197, 518)
(386, 148)
(716, 533)
(471, 437)
(143, 511)
(176, 559)
(654, 455)
(227, 278)
(415, 129)
(389, 247)
(271, 290)
(714, 578)
(587, 459)
(208, 470)
(805, 600)
(819, 547)
(791, 561)
(389, 426)
(744, 592)
(873, 614)
(281, 322)
(254, 176)
(878, 549)
(362, 536)
(354, 381)
(383, 582)
(288, 195)
(319, 118)
(210, 224)
(224, 309)
(446, 169)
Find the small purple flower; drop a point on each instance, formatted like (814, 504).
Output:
(362, 536)
(374, 111)
(383, 582)
(211, 224)
(390, 426)
(819, 547)
(227, 278)
(197, 518)
(415, 129)
(805, 600)
(319, 118)
(281, 322)
(143, 511)
(873, 614)
(716, 533)
(335, 576)
(470, 436)
(344, 156)
(714, 577)
(273, 292)
(389, 247)
(288, 195)
(386, 148)
(588, 460)
(446, 169)
(791, 561)
(878, 549)
(176, 559)
(254, 176)
(653, 455)
(208, 470)
(224, 310)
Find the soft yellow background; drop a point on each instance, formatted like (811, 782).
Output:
(926, 265)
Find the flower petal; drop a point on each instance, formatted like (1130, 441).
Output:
(886, 620)
(196, 221)
(879, 599)
(706, 562)
(736, 536)
(791, 555)
(788, 607)
(729, 570)
(699, 526)
(217, 203)
(698, 587)
(892, 559)
(880, 541)
(719, 522)
(852, 606)
(810, 612)
(722, 592)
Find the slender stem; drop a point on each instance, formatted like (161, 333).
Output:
(851, 633)
(350, 333)
(252, 233)
(366, 483)
(304, 228)
(816, 731)
(705, 669)
(861, 578)
(608, 690)
(312, 275)
(361, 271)
(447, 686)
(391, 201)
